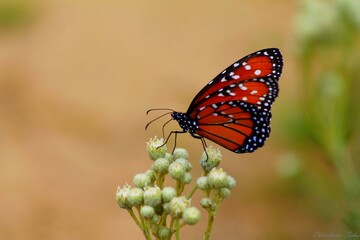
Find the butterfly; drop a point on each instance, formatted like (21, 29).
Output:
(234, 109)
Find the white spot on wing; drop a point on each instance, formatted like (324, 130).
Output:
(245, 98)
(257, 72)
(253, 92)
(236, 64)
(247, 67)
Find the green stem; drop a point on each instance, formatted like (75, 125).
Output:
(140, 225)
(131, 212)
(209, 225)
(144, 227)
(160, 181)
(177, 233)
(178, 227)
(193, 190)
(179, 188)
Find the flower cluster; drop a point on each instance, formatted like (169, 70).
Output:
(164, 210)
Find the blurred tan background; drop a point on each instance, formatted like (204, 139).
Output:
(76, 78)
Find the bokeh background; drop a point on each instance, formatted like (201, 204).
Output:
(76, 78)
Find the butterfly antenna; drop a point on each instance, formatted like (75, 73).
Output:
(147, 125)
(159, 109)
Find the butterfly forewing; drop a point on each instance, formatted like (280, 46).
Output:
(252, 79)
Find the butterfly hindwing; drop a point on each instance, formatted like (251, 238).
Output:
(235, 125)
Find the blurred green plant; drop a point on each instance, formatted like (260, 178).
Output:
(328, 49)
(15, 13)
(155, 202)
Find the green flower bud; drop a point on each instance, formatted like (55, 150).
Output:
(166, 208)
(152, 196)
(155, 219)
(180, 153)
(187, 178)
(154, 150)
(206, 203)
(151, 174)
(161, 165)
(177, 170)
(212, 159)
(136, 197)
(187, 165)
(164, 232)
(217, 178)
(168, 193)
(178, 206)
(225, 192)
(169, 157)
(191, 215)
(230, 182)
(122, 196)
(141, 180)
(147, 212)
(202, 183)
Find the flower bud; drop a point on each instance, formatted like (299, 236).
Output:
(141, 180)
(186, 178)
(225, 192)
(202, 183)
(151, 174)
(210, 160)
(122, 196)
(217, 178)
(164, 232)
(168, 193)
(161, 165)
(191, 215)
(177, 170)
(166, 208)
(180, 153)
(152, 196)
(155, 148)
(155, 219)
(187, 165)
(136, 197)
(178, 206)
(147, 212)
(230, 182)
(169, 157)
(206, 203)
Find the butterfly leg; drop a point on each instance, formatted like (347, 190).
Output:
(168, 137)
(163, 128)
(203, 142)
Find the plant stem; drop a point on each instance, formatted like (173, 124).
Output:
(144, 227)
(177, 229)
(193, 190)
(209, 225)
(131, 212)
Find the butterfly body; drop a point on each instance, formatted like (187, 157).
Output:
(234, 109)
